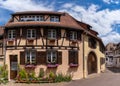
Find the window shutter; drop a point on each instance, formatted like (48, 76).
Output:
(24, 33)
(67, 34)
(76, 57)
(6, 33)
(79, 35)
(22, 57)
(38, 33)
(58, 33)
(45, 32)
(70, 57)
(59, 57)
(41, 57)
(18, 33)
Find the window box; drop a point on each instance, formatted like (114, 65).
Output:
(30, 66)
(73, 65)
(52, 65)
(10, 42)
(74, 41)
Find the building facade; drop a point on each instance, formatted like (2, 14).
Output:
(52, 41)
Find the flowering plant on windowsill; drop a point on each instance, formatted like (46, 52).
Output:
(52, 65)
(73, 65)
(30, 65)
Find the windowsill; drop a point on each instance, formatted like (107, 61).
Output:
(74, 41)
(11, 39)
(73, 65)
(52, 65)
(31, 39)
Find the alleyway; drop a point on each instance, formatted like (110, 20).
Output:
(110, 78)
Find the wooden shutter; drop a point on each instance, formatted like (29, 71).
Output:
(45, 32)
(79, 35)
(38, 32)
(58, 33)
(59, 57)
(70, 57)
(73, 57)
(76, 57)
(41, 57)
(24, 33)
(18, 33)
(67, 34)
(22, 57)
(6, 33)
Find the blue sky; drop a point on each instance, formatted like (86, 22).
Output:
(102, 15)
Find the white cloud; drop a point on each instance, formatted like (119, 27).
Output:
(101, 20)
(111, 1)
(25, 5)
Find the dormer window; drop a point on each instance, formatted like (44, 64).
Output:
(32, 18)
(52, 34)
(55, 19)
(73, 35)
(31, 33)
(11, 34)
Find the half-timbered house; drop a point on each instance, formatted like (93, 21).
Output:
(52, 41)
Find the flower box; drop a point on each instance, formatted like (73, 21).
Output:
(30, 66)
(73, 65)
(52, 65)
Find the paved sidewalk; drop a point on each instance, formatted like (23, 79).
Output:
(109, 78)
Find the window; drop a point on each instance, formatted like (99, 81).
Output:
(73, 35)
(92, 43)
(52, 57)
(30, 57)
(52, 34)
(54, 19)
(32, 18)
(11, 34)
(31, 33)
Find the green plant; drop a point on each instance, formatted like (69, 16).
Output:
(41, 74)
(22, 74)
(62, 78)
(31, 76)
(3, 74)
(51, 75)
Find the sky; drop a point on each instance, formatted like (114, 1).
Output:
(102, 15)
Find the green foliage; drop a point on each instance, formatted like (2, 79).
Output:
(22, 74)
(51, 75)
(41, 74)
(3, 74)
(62, 78)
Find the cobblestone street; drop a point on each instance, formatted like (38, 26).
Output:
(110, 78)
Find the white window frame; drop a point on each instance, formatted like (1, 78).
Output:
(31, 34)
(73, 35)
(32, 18)
(31, 54)
(52, 33)
(52, 56)
(54, 18)
(11, 34)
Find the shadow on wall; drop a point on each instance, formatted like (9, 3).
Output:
(114, 69)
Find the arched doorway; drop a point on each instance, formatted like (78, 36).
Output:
(92, 63)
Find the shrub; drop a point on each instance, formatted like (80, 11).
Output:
(62, 78)
(22, 74)
(51, 75)
(41, 74)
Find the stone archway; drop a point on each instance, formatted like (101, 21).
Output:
(92, 63)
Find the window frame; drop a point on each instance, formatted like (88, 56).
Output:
(11, 34)
(30, 54)
(73, 35)
(53, 56)
(55, 18)
(52, 33)
(31, 34)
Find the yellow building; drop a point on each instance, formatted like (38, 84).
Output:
(52, 41)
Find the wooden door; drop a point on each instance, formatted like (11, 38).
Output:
(13, 66)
